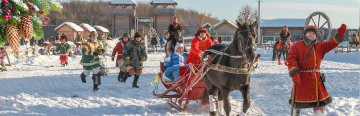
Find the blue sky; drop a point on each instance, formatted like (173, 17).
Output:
(339, 11)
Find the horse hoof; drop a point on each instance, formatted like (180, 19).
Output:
(212, 114)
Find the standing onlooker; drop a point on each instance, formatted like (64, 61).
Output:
(154, 41)
(162, 39)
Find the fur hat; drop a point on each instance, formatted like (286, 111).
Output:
(311, 28)
(92, 34)
(137, 34)
(308, 29)
(202, 30)
(179, 45)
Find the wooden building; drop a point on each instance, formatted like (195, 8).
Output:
(123, 13)
(69, 29)
(225, 29)
(162, 12)
(87, 29)
(270, 29)
(102, 31)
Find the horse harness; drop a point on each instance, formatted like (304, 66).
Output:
(247, 69)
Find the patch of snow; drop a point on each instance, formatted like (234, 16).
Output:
(87, 27)
(102, 29)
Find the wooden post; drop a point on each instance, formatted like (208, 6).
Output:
(7, 56)
(336, 49)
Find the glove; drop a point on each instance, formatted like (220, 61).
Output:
(143, 58)
(112, 59)
(296, 79)
(127, 61)
(341, 31)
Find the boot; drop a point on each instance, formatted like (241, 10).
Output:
(97, 81)
(125, 76)
(279, 61)
(319, 113)
(286, 63)
(120, 76)
(83, 79)
(135, 81)
(95, 88)
(66, 64)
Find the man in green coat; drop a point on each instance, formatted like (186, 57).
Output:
(134, 55)
(90, 61)
(64, 49)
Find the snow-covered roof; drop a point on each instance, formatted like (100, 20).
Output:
(70, 24)
(123, 2)
(164, 2)
(206, 24)
(282, 22)
(87, 27)
(102, 29)
(225, 21)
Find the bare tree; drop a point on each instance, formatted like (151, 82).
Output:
(247, 14)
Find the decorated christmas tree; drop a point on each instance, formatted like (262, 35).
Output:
(24, 18)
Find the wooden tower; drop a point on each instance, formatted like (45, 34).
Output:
(162, 13)
(123, 12)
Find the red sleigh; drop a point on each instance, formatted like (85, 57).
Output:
(190, 86)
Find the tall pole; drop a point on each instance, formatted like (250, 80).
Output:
(258, 21)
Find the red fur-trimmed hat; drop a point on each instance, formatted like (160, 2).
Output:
(202, 30)
(311, 28)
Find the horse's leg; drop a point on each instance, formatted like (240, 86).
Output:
(279, 56)
(245, 91)
(227, 106)
(210, 88)
(274, 54)
(220, 104)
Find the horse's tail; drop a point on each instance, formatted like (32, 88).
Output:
(274, 51)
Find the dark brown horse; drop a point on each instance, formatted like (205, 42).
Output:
(284, 50)
(229, 67)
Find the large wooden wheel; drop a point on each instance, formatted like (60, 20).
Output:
(322, 22)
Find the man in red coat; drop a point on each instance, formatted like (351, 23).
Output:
(309, 88)
(119, 50)
(198, 45)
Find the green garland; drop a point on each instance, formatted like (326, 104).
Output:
(21, 7)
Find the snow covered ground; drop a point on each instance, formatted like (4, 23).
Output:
(37, 85)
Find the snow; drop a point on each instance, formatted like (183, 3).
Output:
(224, 21)
(37, 85)
(87, 27)
(282, 22)
(125, 2)
(163, 2)
(72, 25)
(102, 29)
